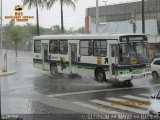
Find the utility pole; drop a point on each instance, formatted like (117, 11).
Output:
(1, 28)
(1, 46)
(143, 18)
(97, 17)
(1, 18)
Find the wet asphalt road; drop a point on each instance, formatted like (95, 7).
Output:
(32, 91)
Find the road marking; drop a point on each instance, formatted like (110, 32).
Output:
(133, 103)
(108, 104)
(146, 95)
(98, 109)
(136, 98)
(102, 90)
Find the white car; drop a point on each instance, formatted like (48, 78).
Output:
(155, 67)
(154, 109)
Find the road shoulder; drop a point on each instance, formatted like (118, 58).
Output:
(10, 72)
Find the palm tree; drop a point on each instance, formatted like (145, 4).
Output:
(71, 3)
(37, 4)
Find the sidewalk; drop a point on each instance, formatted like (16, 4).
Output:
(2, 73)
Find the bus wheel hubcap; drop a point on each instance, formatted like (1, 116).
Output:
(155, 76)
(54, 69)
(100, 76)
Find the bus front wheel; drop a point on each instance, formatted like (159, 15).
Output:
(53, 69)
(100, 75)
(127, 83)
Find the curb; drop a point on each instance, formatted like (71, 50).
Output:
(7, 73)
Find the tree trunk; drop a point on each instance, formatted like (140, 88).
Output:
(37, 15)
(143, 18)
(62, 26)
(16, 49)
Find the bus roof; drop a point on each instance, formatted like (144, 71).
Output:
(82, 36)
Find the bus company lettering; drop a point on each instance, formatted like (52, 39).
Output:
(52, 57)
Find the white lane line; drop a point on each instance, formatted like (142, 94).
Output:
(108, 104)
(97, 108)
(136, 98)
(130, 103)
(145, 95)
(102, 90)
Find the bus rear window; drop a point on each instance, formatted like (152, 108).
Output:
(53, 47)
(37, 46)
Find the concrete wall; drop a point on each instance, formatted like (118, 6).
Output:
(122, 12)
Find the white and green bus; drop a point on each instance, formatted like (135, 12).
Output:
(107, 57)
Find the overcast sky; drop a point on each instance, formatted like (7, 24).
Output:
(74, 19)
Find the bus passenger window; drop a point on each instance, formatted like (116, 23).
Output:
(37, 46)
(86, 47)
(53, 47)
(113, 53)
(63, 47)
(100, 48)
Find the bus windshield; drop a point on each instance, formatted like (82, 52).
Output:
(133, 53)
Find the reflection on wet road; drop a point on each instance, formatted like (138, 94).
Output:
(34, 91)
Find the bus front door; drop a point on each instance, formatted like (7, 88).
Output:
(73, 57)
(113, 61)
(45, 65)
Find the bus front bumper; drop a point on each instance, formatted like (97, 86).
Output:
(124, 77)
(131, 76)
(141, 75)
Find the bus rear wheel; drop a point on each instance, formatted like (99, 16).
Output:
(53, 69)
(100, 75)
(127, 83)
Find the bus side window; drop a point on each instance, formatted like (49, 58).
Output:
(63, 47)
(113, 53)
(100, 48)
(53, 47)
(85, 47)
(37, 46)
(120, 54)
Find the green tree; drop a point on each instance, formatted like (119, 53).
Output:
(29, 30)
(81, 30)
(76, 31)
(56, 29)
(6, 34)
(71, 3)
(37, 4)
(17, 34)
